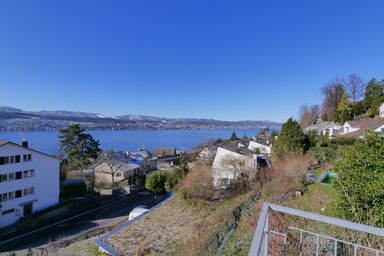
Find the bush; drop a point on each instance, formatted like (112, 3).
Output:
(73, 188)
(198, 183)
(172, 181)
(323, 155)
(359, 181)
(155, 182)
(340, 141)
(287, 176)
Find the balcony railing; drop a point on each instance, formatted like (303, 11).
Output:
(295, 240)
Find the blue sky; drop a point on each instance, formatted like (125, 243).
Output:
(230, 60)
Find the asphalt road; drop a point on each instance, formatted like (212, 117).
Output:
(100, 216)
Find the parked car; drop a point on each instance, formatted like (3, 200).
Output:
(137, 211)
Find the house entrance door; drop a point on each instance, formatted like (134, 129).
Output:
(28, 209)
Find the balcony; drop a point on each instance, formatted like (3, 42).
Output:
(285, 231)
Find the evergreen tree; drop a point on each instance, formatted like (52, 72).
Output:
(374, 96)
(79, 147)
(344, 110)
(291, 139)
(234, 137)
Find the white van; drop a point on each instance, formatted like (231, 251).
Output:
(137, 211)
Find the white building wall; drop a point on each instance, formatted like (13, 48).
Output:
(347, 128)
(380, 129)
(46, 182)
(225, 164)
(381, 110)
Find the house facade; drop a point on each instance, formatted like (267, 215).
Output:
(103, 172)
(29, 181)
(256, 146)
(208, 153)
(324, 127)
(228, 165)
(356, 128)
(381, 110)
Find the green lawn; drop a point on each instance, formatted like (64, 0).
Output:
(319, 198)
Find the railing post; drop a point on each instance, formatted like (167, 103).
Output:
(317, 245)
(301, 243)
(335, 247)
(265, 240)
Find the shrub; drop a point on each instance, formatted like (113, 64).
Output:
(359, 181)
(172, 181)
(323, 155)
(340, 141)
(288, 175)
(155, 182)
(198, 183)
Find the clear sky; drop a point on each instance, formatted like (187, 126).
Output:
(230, 60)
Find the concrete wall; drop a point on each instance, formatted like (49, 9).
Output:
(46, 182)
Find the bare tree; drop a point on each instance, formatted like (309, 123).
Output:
(332, 92)
(114, 161)
(308, 115)
(354, 87)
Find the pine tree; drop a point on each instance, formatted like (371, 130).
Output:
(234, 137)
(344, 110)
(79, 147)
(291, 139)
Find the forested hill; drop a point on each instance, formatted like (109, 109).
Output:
(13, 119)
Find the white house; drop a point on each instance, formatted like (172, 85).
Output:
(381, 110)
(256, 146)
(356, 128)
(29, 181)
(208, 153)
(324, 127)
(228, 165)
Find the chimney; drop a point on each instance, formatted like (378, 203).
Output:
(24, 143)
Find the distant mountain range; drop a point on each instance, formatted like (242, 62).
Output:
(14, 119)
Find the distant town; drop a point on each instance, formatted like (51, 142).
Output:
(13, 119)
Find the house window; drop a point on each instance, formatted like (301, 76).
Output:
(11, 195)
(26, 192)
(12, 159)
(17, 159)
(6, 160)
(18, 175)
(29, 157)
(4, 177)
(31, 190)
(8, 211)
(2, 160)
(11, 176)
(28, 173)
(24, 158)
(18, 193)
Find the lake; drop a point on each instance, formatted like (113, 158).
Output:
(48, 142)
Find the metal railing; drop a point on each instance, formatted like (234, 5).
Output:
(260, 242)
